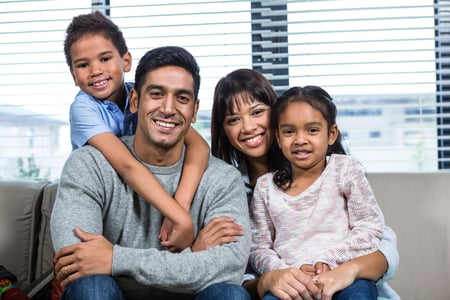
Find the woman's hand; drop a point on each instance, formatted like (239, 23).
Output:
(288, 284)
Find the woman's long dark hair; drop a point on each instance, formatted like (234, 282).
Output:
(318, 99)
(245, 84)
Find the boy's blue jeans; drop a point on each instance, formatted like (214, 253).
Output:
(361, 289)
(102, 287)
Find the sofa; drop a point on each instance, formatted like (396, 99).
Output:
(416, 206)
(25, 243)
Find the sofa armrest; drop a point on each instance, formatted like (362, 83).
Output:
(20, 217)
(45, 252)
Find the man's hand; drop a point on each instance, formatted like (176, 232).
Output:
(92, 256)
(218, 231)
(288, 284)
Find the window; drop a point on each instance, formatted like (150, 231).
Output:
(376, 58)
(384, 63)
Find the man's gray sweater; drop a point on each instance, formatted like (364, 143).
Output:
(93, 197)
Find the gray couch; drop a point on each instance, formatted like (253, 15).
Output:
(416, 206)
(25, 244)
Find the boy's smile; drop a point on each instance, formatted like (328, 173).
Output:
(98, 69)
(100, 84)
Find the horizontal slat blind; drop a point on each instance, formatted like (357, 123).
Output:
(443, 82)
(385, 62)
(35, 87)
(377, 59)
(217, 33)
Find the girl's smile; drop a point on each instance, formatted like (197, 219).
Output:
(304, 137)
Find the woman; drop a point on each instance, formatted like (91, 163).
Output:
(241, 135)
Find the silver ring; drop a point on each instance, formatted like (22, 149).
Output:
(65, 271)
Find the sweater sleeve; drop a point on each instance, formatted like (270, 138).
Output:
(388, 247)
(263, 258)
(366, 221)
(78, 202)
(224, 195)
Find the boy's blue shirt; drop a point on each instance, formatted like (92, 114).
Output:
(90, 116)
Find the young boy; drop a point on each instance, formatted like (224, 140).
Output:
(98, 58)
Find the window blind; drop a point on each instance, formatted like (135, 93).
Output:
(384, 62)
(442, 25)
(35, 87)
(376, 58)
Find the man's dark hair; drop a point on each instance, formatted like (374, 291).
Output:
(93, 24)
(167, 56)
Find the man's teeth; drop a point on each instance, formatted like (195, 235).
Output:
(164, 124)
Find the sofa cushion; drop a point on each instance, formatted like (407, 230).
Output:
(19, 227)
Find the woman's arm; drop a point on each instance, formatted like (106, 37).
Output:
(388, 248)
(380, 266)
(143, 182)
(371, 266)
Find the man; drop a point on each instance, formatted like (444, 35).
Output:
(107, 236)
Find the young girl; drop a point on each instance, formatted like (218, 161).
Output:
(317, 205)
(242, 136)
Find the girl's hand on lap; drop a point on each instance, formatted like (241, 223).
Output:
(320, 268)
(308, 270)
(288, 284)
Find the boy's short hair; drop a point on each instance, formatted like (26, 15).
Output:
(167, 56)
(92, 24)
